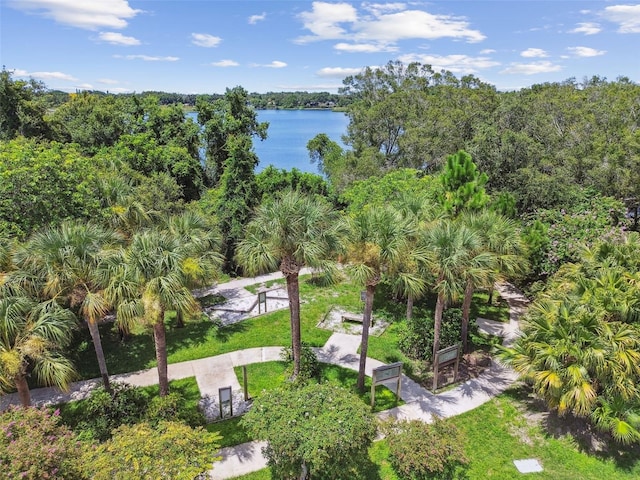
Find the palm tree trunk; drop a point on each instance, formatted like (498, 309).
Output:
(409, 306)
(466, 310)
(97, 345)
(22, 386)
(364, 344)
(437, 325)
(160, 340)
(293, 291)
(179, 319)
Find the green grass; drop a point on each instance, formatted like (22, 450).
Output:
(498, 432)
(232, 433)
(268, 284)
(497, 310)
(270, 375)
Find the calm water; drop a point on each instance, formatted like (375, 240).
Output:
(288, 134)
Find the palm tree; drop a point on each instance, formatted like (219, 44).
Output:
(378, 246)
(151, 277)
(32, 334)
(451, 249)
(68, 262)
(289, 233)
(499, 254)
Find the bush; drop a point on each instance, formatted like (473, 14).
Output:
(173, 407)
(416, 335)
(169, 450)
(105, 412)
(34, 445)
(309, 365)
(421, 451)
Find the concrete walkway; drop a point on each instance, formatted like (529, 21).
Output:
(341, 349)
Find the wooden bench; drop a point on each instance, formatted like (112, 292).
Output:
(349, 317)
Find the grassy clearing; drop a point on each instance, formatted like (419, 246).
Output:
(503, 430)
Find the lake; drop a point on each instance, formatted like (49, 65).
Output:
(288, 134)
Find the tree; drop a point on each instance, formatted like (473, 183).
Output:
(463, 184)
(32, 336)
(67, 262)
(500, 253)
(451, 248)
(317, 431)
(378, 244)
(22, 108)
(170, 450)
(289, 233)
(223, 119)
(35, 445)
(151, 277)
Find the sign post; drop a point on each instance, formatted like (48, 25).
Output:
(444, 357)
(383, 374)
(245, 383)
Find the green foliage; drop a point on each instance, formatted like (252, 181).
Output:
(321, 426)
(271, 181)
(172, 407)
(463, 184)
(168, 450)
(104, 412)
(555, 237)
(45, 183)
(309, 365)
(34, 445)
(22, 108)
(415, 335)
(422, 451)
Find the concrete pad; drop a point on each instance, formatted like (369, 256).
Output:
(530, 465)
(239, 460)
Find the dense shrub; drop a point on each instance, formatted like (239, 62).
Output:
(173, 407)
(421, 451)
(105, 412)
(170, 450)
(309, 365)
(34, 445)
(416, 334)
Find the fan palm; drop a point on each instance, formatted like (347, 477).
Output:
(289, 233)
(68, 262)
(151, 277)
(31, 336)
(379, 245)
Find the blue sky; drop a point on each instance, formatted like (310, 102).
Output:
(205, 46)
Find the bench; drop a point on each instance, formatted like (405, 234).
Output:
(349, 317)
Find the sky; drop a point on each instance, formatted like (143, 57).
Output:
(207, 46)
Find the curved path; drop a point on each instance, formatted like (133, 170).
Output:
(341, 349)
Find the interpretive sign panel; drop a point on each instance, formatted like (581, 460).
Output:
(226, 402)
(444, 357)
(262, 299)
(363, 296)
(393, 371)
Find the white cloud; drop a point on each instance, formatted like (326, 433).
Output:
(534, 53)
(45, 75)
(586, 51)
(588, 28)
(274, 64)
(84, 86)
(626, 16)
(532, 68)
(120, 90)
(381, 24)
(453, 63)
(148, 58)
(108, 81)
(324, 19)
(118, 39)
(253, 19)
(225, 63)
(339, 72)
(87, 14)
(364, 48)
(487, 51)
(205, 40)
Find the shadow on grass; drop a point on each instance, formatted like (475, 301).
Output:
(587, 438)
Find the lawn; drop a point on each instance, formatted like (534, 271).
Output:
(506, 429)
